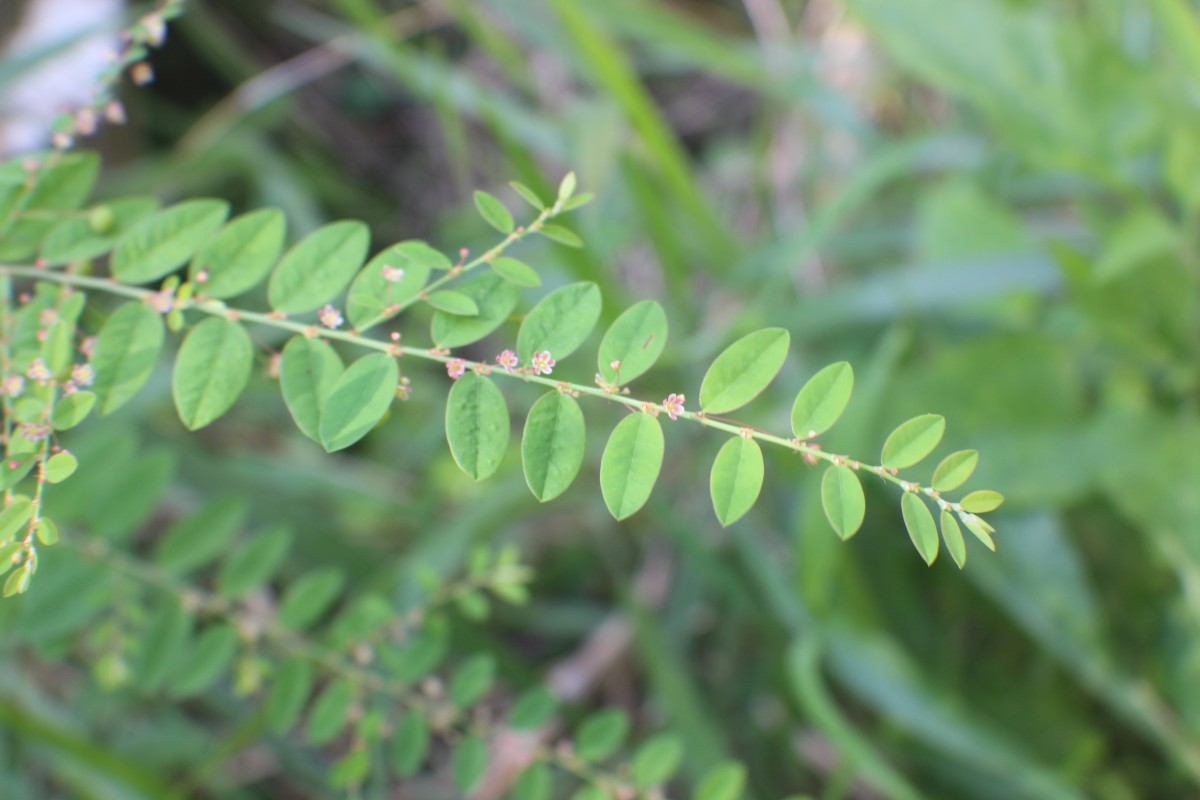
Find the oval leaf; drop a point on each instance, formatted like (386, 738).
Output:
(954, 470)
(982, 501)
(534, 783)
(310, 596)
(952, 536)
(477, 425)
(561, 235)
(308, 371)
(164, 241)
(722, 782)
(330, 711)
(318, 267)
(552, 445)
(843, 500)
(253, 564)
(288, 694)
(517, 272)
(472, 680)
(634, 342)
(241, 256)
(388, 281)
(913, 440)
(921, 527)
(599, 736)
(560, 322)
(455, 303)
(200, 538)
(209, 658)
(822, 400)
(656, 761)
(211, 370)
(743, 370)
(736, 479)
(59, 467)
(410, 742)
(631, 463)
(468, 763)
(532, 709)
(495, 299)
(125, 353)
(72, 410)
(358, 400)
(494, 212)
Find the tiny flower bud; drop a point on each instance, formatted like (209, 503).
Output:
(114, 112)
(156, 29)
(85, 122)
(83, 374)
(393, 274)
(141, 73)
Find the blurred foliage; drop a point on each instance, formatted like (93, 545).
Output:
(989, 207)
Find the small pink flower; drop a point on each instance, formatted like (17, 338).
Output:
(38, 371)
(87, 346)
(615, 366)
(141, 73)
(673, 405)
(508, 360)
(455, 368)
(13, 386)
(83, 374)
(330, 317)
(542, 363)
(393, 274)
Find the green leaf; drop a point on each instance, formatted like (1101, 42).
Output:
(913, 440)
(330, 711)
(351, 770)
(822, 400)
(533, 784)
(743, 370)
(954, 470)
(211, 371)
(15, 516)
(552, 445)
(723, 782)
(982, 501)
(532, 709)
(13, 468)
(201, 537)
(566, 187)
(477, 426)
(635, 340)
(241, 256)
(517, 272)
(164, 241)
(630, 464)
(419, 656)
(494, 297)
(72, 410)
(843, 500)
(310, 596)
(921, 527)
(468, 763)
(17, 582)
(308, 371)
(77, 239)
(561, 235)
(162, 644)
(952, 536)
(373, 298)
(980, 529)
(60, 466)
(656, 761)
(417, 251)
(47, 532)
(736, 479)
(252, 564)
(472, 680)
(410, 743)
(599, 736)
(591, 792)
(318, 267)
(125, 353)
(288, 693)
(454, 303)
(560, 322)
(493, 212)
(528, 194)
(208, 659)
(358, 400)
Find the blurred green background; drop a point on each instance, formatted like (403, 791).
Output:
(990, 207)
